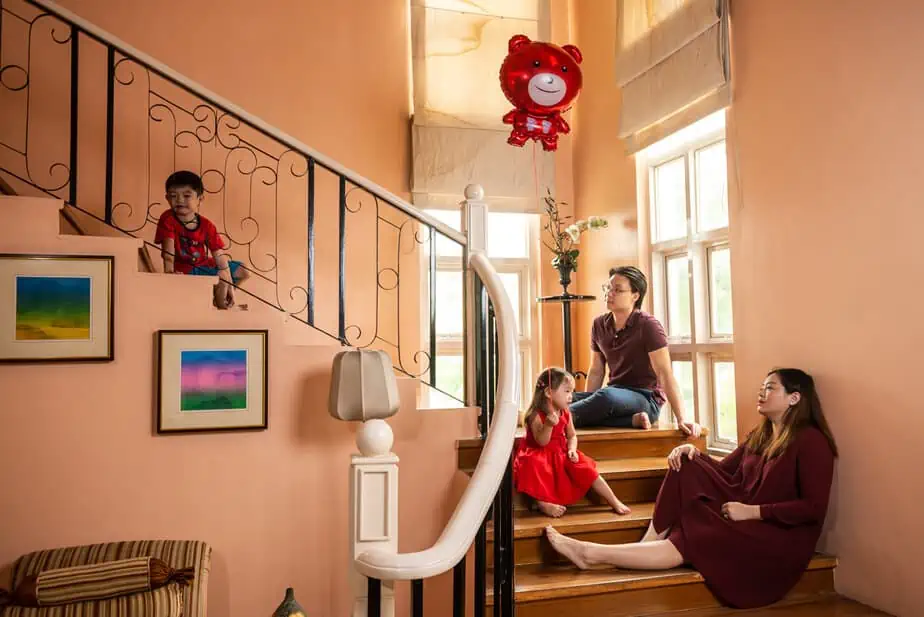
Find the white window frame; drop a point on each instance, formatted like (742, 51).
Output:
(526, 268)
(702, 347)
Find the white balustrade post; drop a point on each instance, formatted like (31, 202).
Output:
(475, 228)
(373, 508)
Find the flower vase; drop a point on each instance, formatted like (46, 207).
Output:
(564, 276)
(289, 607)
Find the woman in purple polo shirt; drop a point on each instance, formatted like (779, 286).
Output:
(632, 344)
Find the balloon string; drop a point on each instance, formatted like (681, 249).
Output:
(535, 174)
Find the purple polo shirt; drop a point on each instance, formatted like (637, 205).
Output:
(626, 351)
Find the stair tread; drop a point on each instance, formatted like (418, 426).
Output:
(542, 581)
(596, 434)
(532, 524)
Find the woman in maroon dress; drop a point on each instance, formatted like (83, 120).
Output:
(749, 524)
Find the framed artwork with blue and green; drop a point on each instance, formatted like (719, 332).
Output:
(58, 308)
(211, 380)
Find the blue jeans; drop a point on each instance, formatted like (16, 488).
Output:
(234, 266)
(612, 407)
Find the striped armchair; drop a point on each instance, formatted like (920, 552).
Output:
(169, 601)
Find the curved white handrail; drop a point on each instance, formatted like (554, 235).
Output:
(272, 131)
(460, 532)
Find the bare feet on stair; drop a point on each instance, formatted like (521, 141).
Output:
(551, 509)
(641, 420)
(569, 547)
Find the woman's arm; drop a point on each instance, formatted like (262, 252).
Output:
(815, 469)
(596, 372)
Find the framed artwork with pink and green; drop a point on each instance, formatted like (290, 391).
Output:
(211, 380)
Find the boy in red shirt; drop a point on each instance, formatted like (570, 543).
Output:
(190, 243)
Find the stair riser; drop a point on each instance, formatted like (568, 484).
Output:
(815, 585)
(601, 450)
(629, 490)
(538, 549)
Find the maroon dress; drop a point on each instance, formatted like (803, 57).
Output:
(749, 563)
(546, 473)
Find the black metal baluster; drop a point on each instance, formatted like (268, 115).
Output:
(481, 568)
(341, 327)
(432, 307)
(498, 510)
(110, 129)
(508, 607)
(374, 599)
(417, 598)
(480, 350)
(75, 65)
(311, 242)
(458, 589)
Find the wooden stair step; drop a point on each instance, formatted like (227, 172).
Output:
(633, 480)
(591, 525)
(564, 590)
(600, 444)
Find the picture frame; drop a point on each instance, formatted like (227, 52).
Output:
(57, 308)
(211, 380)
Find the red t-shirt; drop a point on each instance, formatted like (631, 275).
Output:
(626, 351)
(194, 247)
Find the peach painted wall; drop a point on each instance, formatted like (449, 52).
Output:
(604, 176)
(85, 466)
(826, 214)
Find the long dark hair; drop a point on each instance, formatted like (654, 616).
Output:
(550, 378)
(806, 412)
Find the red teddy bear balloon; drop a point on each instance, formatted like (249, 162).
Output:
(541, 80)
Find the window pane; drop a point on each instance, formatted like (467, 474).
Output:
(683, 373)
(712, 187)
(511, 281)
(508, 235)
(726, 419)
(448, 302)
(670, 203)
(720, 291)
(678, 296)
(444, 246)
(450, 378)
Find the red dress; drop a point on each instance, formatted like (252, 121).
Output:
(546, 473)
(749, 563)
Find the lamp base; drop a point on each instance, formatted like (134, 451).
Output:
(375, 438)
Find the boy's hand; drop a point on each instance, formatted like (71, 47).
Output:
(224, 295)
(573, 456)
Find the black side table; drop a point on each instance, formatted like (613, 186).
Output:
(566, 300)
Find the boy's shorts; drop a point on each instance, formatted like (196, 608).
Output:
(235, 267)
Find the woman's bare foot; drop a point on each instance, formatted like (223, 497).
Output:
(550, 509)
(569, 547)
(621, 508)
(641, 420)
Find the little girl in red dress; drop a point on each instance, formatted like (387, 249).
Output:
(548, 466)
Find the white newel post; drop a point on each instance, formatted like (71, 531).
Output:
(475, 228)
(373, 515)
(363, 387)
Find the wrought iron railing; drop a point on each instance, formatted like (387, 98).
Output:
(90, 120)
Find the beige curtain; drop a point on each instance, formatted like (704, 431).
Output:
(671, 66)
(457, 136)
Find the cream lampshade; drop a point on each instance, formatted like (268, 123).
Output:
(363, 388)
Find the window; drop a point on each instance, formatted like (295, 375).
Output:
(683, 184)
(512, 244)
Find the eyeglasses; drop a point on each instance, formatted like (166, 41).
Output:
(615, 290)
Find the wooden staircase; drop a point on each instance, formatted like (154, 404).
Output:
(634, 463)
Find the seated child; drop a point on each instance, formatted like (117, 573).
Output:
(548, 466)
(190, 242)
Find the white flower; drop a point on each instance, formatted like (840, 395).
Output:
(597, 222)
(582, 225)
(574, 232)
